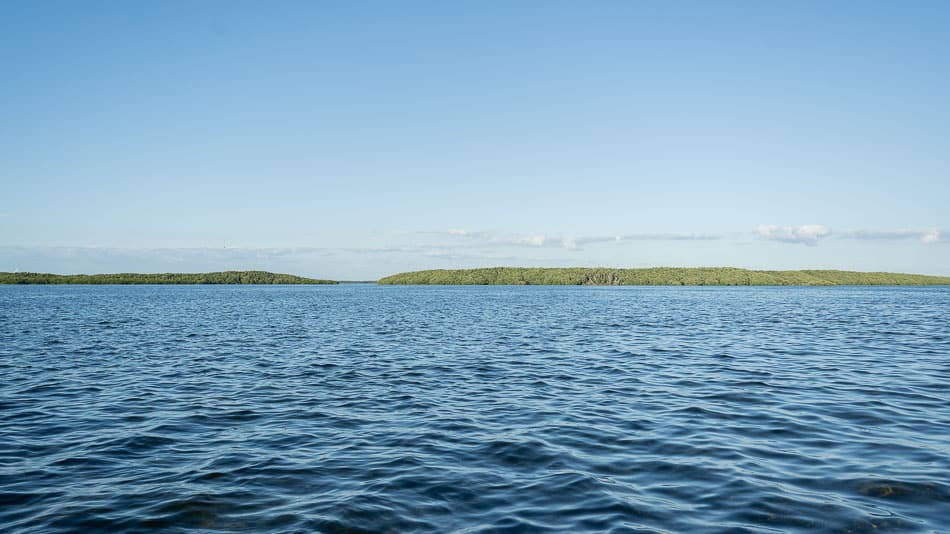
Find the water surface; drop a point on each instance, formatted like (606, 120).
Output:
(359, 408)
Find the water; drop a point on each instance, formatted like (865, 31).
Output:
(393, 409)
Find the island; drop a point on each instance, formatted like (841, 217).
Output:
(657, 276)
(225, 277)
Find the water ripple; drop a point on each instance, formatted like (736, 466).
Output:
(474, 409)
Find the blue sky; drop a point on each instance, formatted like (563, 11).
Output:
(356, 139)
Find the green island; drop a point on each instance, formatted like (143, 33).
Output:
(574, 276)
(657, 276)
(225, 277)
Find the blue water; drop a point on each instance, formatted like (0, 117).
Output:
(392, 409)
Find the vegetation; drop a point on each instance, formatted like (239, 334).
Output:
(226, 277)
(658, 276)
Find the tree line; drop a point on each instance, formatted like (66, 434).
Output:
(657, 276)
(225, 277)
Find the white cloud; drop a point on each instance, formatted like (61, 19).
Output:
(531, 240)
(808, 234)
(932, 235)
(573, 243)
(880, 234)
(596, 239)
(486, 239)
(461, 232)
(669, 236)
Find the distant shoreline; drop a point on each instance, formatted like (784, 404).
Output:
(551, 276)
(657, 276)
(217, 278)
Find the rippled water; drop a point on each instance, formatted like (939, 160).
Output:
(390, 409)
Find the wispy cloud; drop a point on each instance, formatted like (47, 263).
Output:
(576, 242)
(570, 242)
(484, 238)
(808, 234)
(811, 234)
(670, 237)
(459, 232)
(595, 239)
(531, 240)
(931, 235)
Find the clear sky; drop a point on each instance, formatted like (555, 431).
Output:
(356, 139)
